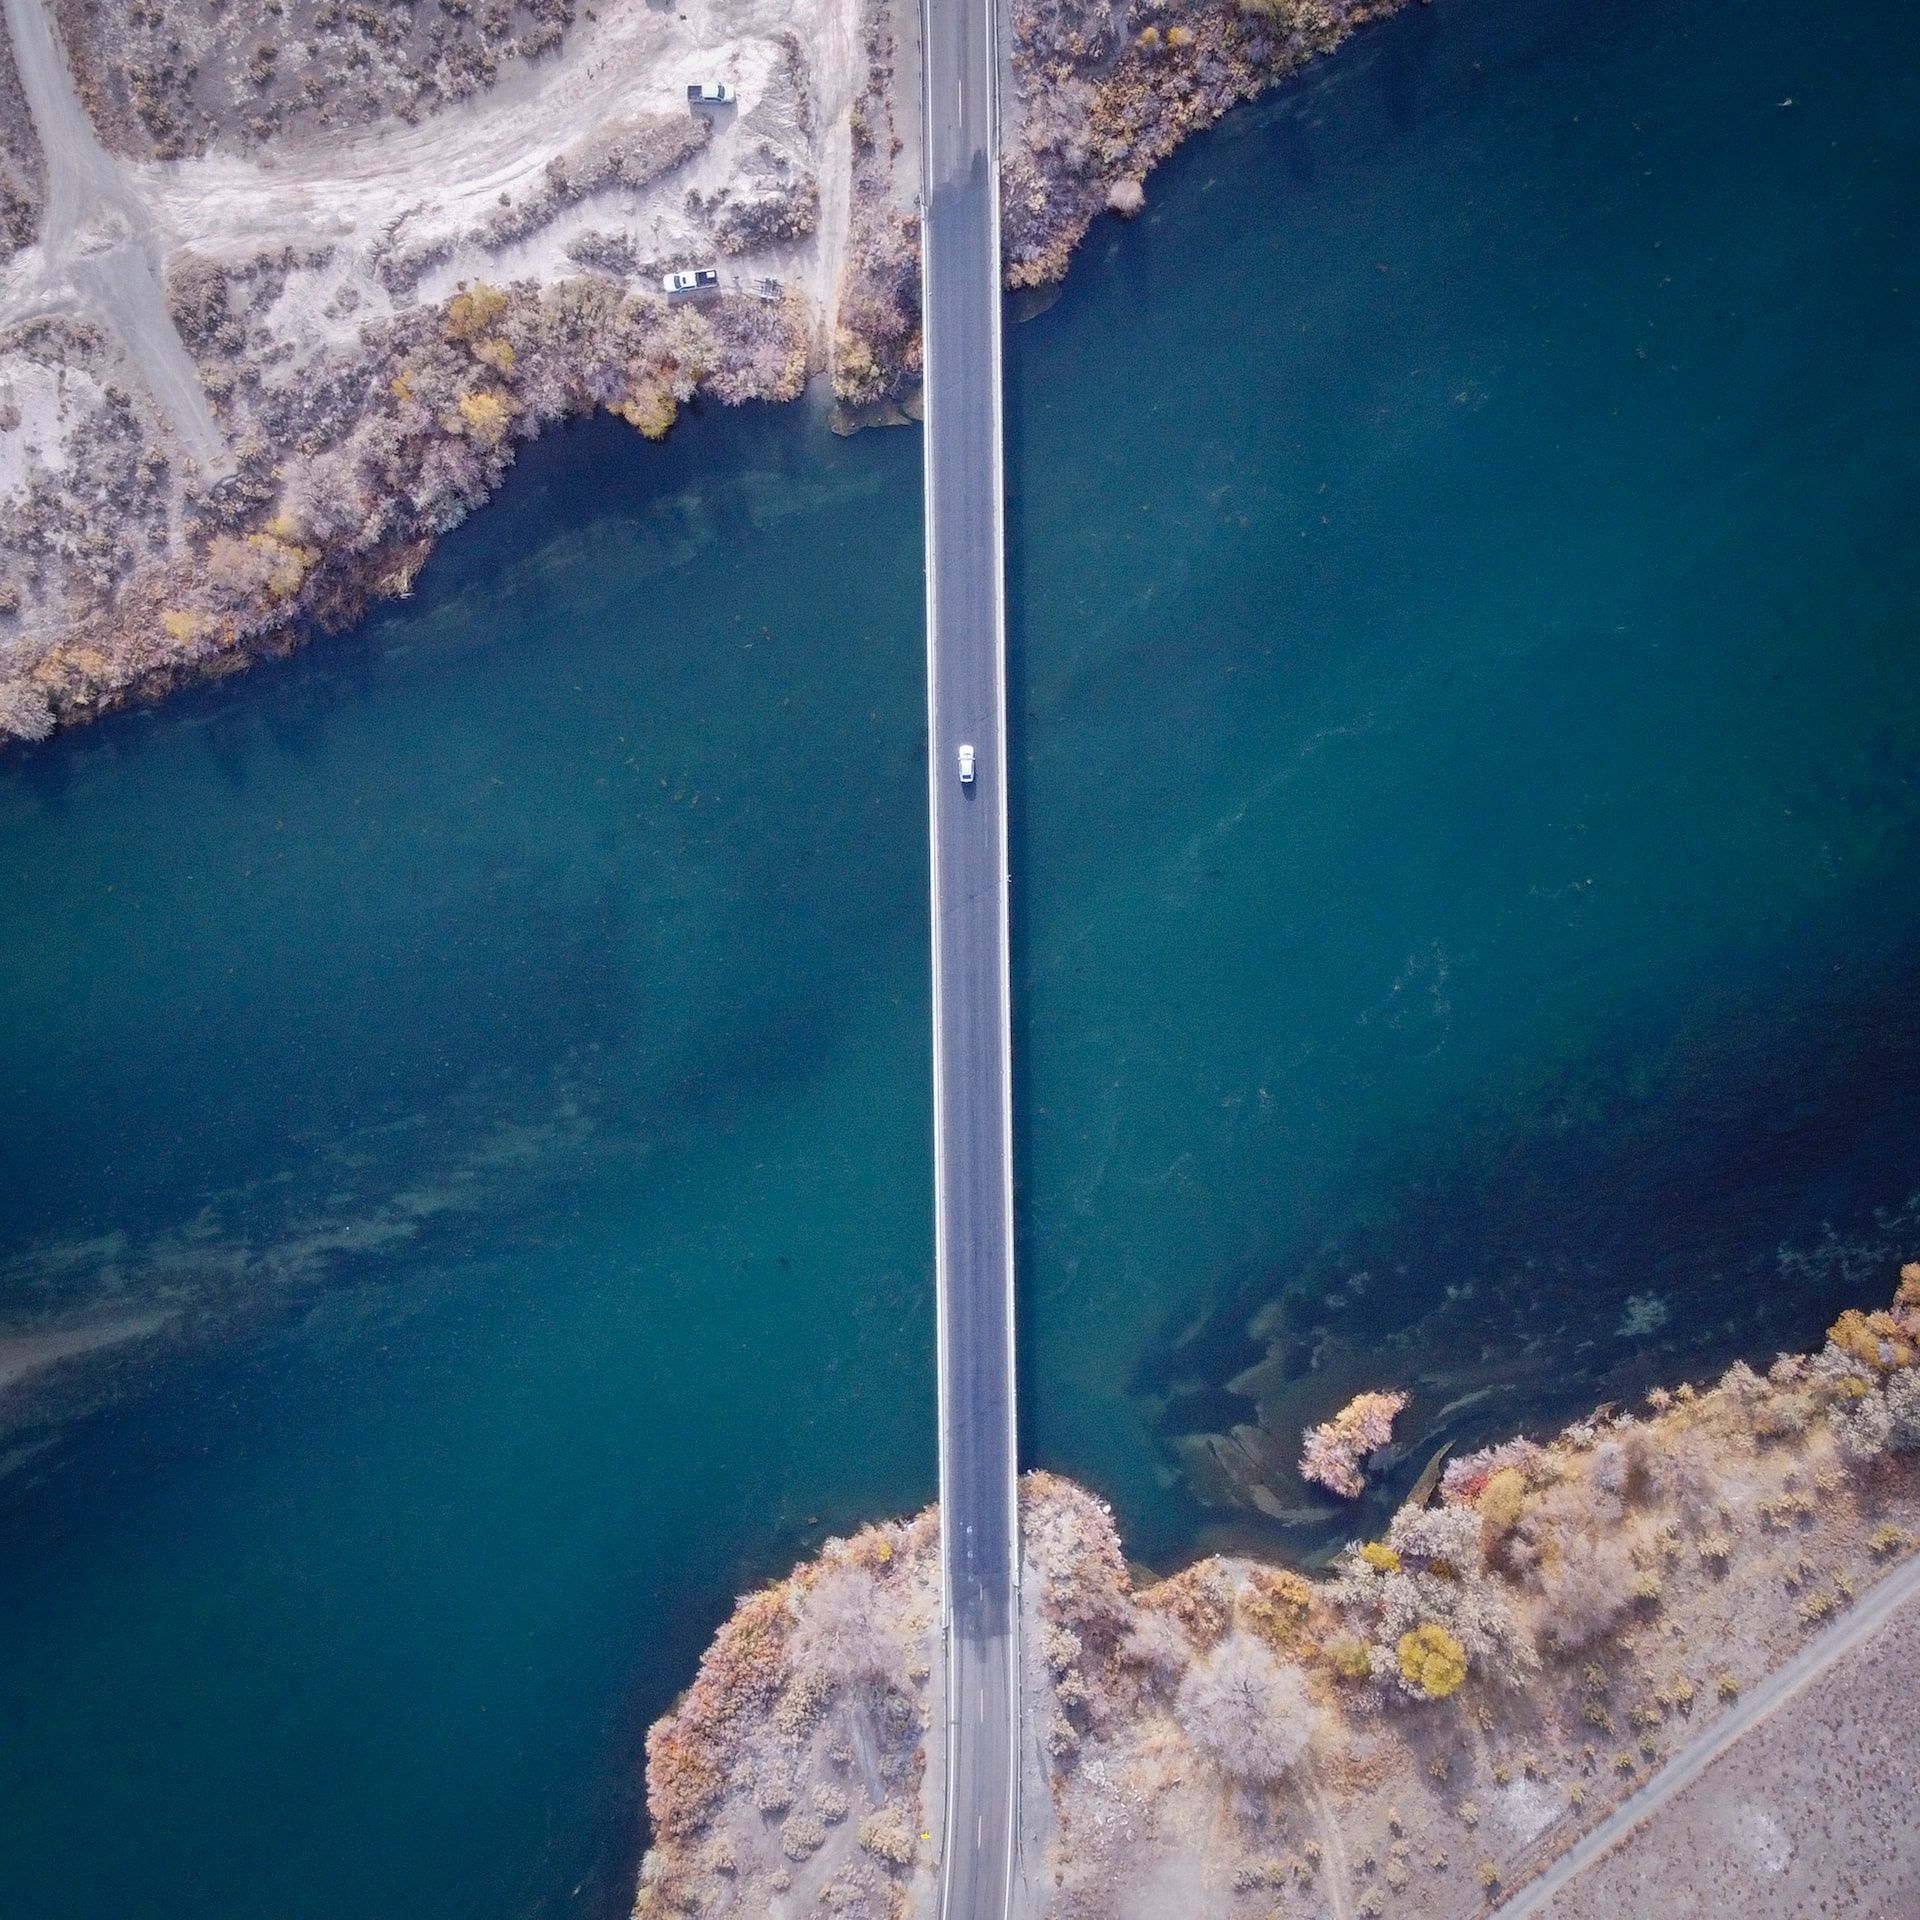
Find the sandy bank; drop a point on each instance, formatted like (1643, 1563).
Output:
(31, 1352)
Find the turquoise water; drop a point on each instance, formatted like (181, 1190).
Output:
(1466, 874)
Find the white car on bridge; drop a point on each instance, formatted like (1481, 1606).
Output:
(709, 93)
(966, 764)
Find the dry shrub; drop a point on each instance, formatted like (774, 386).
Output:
(1586, 1591)
(887, 1836)
(1278, 1608)
(1156, 1644)
(846, 1632)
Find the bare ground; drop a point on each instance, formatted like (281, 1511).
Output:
(1806, 1809)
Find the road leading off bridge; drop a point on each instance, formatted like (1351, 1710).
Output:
(972, 1045)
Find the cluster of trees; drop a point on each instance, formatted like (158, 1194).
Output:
(877, 329)
(79, 530)
(23, 176)
(876, 325)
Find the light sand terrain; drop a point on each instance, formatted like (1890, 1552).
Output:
(1808, 1811)
(444, 177)
(22, 1354)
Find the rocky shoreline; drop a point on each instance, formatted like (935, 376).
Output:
(373, 394)
(1424, 1731)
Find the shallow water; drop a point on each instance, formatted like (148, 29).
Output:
(1465, 871)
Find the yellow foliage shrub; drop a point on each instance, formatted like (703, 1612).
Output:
(869, 1548)
(496, 353)
(1909, 1292)
(181, 626)
(1432, 1660)
(1179, 37)
(486, 414)
(1874, 1339)
(651, 408)
(1851, 1334)
(1380, 1557)
(290, 564)
(473, 313)
(856, 374)
(1501, 1500)
(1278, 1610)
(1349, 1657)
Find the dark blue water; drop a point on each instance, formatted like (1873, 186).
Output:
(1466, 874)
(1465, 551)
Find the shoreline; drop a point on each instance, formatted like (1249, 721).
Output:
(1567, 1656)
(383, 433)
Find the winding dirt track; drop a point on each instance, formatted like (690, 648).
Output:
(1686, 1766)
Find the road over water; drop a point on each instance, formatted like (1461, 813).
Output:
(973, 1147)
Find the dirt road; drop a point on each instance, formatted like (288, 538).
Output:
(99, 256)
(1686, 1766)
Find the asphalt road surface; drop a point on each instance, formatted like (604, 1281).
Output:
(99, 255)
(973, 1143)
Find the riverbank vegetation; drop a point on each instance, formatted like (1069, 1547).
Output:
(1419, 1731)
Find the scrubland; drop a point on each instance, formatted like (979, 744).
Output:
(162, 80)
(1106, 93)
(23, 179)
(1422, 1731)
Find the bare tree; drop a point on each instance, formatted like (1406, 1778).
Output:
(1248, 1711)
(1587, 1591)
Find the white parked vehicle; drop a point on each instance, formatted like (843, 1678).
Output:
(966, 765)
(710, 93)
(695, 280)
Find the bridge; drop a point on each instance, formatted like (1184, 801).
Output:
(972, 1047)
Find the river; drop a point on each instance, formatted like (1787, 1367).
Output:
(1467, 926)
